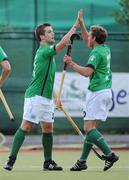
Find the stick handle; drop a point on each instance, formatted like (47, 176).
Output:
(72, 122)
(70, 119)
(79, 132)
(61, 87)
(6, 105)
(77, 129)
(68, 53)
(63, 74)
(65, 66)
(69, 49)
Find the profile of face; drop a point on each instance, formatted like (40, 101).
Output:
(91, 40)
(48, 35)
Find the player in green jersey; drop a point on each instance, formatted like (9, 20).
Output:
(99, 96)
(6, 68)
(38, 105)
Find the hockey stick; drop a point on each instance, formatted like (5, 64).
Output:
(76, 127)
(2, 139)
(6, 105)
(73, 37)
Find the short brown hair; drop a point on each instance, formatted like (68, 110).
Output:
(40, 30)
(99, 33)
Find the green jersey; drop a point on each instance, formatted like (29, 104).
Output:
(3, 55)
(99, 60)
(43, 73)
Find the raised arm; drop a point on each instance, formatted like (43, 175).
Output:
(83, 27)
(65, 40)
(84, 71)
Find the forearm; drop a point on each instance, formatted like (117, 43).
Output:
(84, 32)
(80, 69)
(64, 41)
(6, 69)
(4, 75)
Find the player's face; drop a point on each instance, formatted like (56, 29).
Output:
(91, 40)
(49, 35)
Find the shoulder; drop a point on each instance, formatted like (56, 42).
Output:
(107, 48)
(47, 47)
(1, 49)
(95, 53)
(3, 55)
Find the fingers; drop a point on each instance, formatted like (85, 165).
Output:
(67, 59)
(80, 15)
(59, 105)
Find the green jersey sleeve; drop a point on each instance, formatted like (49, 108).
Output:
(2, 55)
(94, 60)
(49, 50)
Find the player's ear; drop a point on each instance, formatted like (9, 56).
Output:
(42, 37)
(94, 38)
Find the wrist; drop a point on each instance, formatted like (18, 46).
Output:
(81, 22)
(72, 64)
(76, 24)
(1, 83)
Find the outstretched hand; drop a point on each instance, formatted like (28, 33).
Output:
(80, 15)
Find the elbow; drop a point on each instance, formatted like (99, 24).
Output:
(7, 69)
(59, 47)
(88, 71)
(86, 75)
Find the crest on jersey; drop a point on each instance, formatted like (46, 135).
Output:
(92, 58)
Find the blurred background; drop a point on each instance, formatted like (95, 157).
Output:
(18, 20)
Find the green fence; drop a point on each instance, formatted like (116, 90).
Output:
(27, 14)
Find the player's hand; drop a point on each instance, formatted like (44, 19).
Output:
(80, 15)
(1, 82)
(58, 104)
(75, 26)
(68, 59)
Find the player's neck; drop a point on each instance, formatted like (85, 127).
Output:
(96, 44)
(45, 43)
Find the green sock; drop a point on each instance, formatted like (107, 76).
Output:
(47, 141)
(17, 142)
(95, 137)
(86, 149)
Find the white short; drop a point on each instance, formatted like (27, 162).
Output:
(97, 105)
(38, 109)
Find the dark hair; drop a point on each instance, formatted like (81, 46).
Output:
(99, 33)
(40, 30)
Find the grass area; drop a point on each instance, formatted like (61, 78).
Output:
(29, 166)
